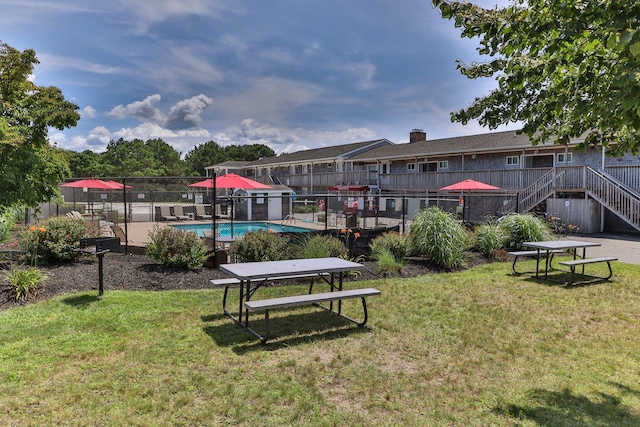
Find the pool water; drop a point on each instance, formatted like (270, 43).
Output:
(240, 228)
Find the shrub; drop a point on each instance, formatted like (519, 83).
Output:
(9, 217)
(53, 239)
(261, 246)
(390, 251)
(176, 248)
(437, 235)
(396, 244)
(318, 246)
(25, 281)
(489, 239)
(387, 265)
(520, 228)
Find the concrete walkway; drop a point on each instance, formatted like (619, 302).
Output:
(625, 247)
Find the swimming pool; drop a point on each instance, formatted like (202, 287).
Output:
(239, 228)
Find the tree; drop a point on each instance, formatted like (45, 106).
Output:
(138, 158)
(566, 69)
(210, 153)
(86, 164)
(30, 168)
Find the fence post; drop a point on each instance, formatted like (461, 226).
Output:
(404, 204)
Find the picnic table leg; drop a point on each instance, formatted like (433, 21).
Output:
(241, 301)
(247, 297)
(537, 262)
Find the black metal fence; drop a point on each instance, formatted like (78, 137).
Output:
(146, 199)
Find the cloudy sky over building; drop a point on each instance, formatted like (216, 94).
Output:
(288, 74)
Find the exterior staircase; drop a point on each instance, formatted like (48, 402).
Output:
(611, 193)
(614, 195)
(530, 197)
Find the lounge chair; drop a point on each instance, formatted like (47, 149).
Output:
(134, 247)
(75, 214)
(201, 213)
(219, 213)
(178, 212)
(165, 214)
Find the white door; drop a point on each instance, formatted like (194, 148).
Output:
(275, 208)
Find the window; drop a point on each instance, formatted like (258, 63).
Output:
(411, 167)
(427, 167)
(513, 160)
(329, 165)
(443, 164)
(564, 158)
(384, 168)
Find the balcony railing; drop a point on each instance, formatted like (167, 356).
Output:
(571, 178)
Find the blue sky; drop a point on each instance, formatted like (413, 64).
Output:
(289, 74)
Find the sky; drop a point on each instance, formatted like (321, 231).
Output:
(289, 74)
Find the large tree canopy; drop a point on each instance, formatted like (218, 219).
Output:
(30, 168)
(565, 69)
(211, 152)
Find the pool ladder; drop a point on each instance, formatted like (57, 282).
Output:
(289, 219)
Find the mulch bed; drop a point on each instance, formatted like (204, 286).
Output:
(139, 272)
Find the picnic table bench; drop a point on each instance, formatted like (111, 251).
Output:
(251, 276)
(315, 299)
(529, 254)
(572, 264)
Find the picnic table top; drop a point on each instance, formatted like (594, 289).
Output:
(249, 270)
(560, 244)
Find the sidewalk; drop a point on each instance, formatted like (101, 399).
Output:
(625, 247)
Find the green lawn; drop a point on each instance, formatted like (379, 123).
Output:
(474, 348)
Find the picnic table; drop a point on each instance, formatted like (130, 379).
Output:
(250, 276)
(545, 249)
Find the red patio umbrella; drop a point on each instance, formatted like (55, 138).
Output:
(231, 180)
(96, 184)
(118, 186)
(470, 185)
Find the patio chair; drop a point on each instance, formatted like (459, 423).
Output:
(219, 213)
(165, 214)
(201, 213)
(178, 212)
(75, 214)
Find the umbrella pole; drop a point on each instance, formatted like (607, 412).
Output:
(231, 215)
(213, 216)
(124, 200)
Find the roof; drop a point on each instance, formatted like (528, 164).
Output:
(230, 164)
(322, 154)
(488, 142)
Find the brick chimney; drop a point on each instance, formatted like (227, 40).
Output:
(417, 135)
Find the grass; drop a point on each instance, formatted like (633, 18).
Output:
(473, 348)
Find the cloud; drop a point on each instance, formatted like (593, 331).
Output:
(288, 140)
(144, 110)
(99, 137)
(151, 130)
(269, 98)
(186, 113)
(88, 112)
(147, 13)
(363, 72)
